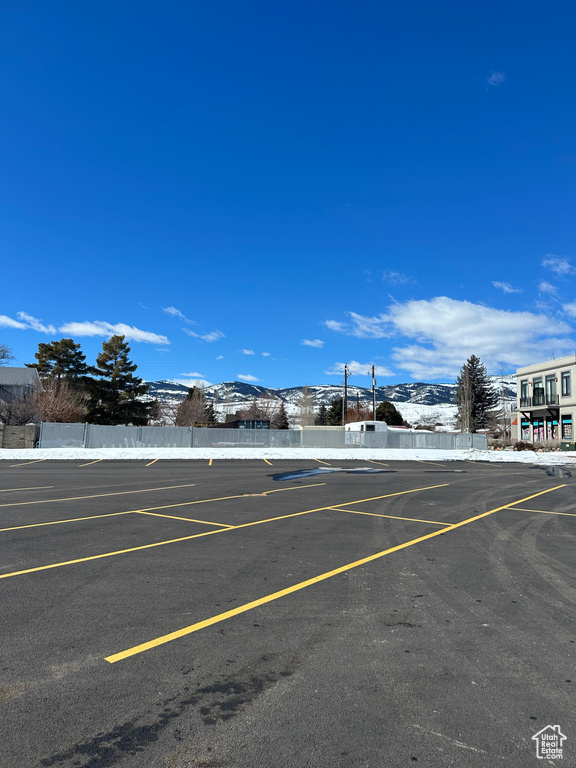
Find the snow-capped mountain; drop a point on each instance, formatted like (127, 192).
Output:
(419, 393)
(418, 402)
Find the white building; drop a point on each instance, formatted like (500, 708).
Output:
(546, 401)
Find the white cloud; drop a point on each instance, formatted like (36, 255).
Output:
(192, 375)
(247, 351)
(209, 337)
(8, 322)
(247, 377)
(496, 78)
(265, 354)
(213, 336)
(36, 324)
(570, 309)
(313, 343)
(176, 313)
(545, 287)
(363, 327)
(396, 278)
(359, 369)
(220, 357)
(560, 265)
(25, 322)
(334, 325)
(448, 331)
(101, 328)
(506, 287)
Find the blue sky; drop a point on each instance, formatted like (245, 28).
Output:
(264, 191)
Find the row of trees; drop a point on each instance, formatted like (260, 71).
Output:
(111, 393)
(106, 393)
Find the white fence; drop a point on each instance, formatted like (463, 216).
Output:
(96, 436)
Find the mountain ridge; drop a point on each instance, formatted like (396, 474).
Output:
(239, 392)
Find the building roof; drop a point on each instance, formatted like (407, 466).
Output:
(19, 377)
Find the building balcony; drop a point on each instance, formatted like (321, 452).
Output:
(539, 401)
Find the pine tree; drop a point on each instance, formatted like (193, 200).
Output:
(334, 414)
(389, 413)
(114, 394)
(210, 415)
(280, 419)
(321, 418)
(475, 396)
(61, 360)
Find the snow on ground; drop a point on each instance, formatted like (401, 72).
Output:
(309, 454)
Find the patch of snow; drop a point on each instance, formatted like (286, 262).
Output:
(299, 454)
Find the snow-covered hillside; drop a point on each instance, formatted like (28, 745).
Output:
(418, 402)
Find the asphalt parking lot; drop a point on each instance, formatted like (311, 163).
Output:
(196, 614)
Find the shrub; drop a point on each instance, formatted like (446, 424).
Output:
(523, 445)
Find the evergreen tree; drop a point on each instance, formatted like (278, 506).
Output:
(61, 360)
(389, 413)
(210, 415)
(334, 414)
(475, 397)
(280, 419)
(321, 418)
(114, 394)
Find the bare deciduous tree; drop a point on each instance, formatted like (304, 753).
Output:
(306, 408)
(262, 409)
(60, 402)
(16, 412)
(5, 354)
(191, 410)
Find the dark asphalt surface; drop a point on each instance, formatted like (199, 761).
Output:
(452, 651)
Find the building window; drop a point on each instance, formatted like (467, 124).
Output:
(567, 427)
(538, 430)
(524, 390)
(525, 429)
(566, 384)
(538, 392)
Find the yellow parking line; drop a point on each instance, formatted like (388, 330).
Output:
(323, 462)
(430, 462)
(194, 535)
(377, 462)
(38, 488)
(188, 519)
(210, 462)
(146, 511)
(391, 517)
(268, 462)
(546, 512)
(59, 522)
(152, 462)
(90, 462)
(292, 488)
(96, 495)
(302, 585)
(37, 461)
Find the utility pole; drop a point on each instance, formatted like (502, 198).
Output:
(373, 395)
(345, 403)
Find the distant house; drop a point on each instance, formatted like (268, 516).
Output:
(235, 422)
(18, 383)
